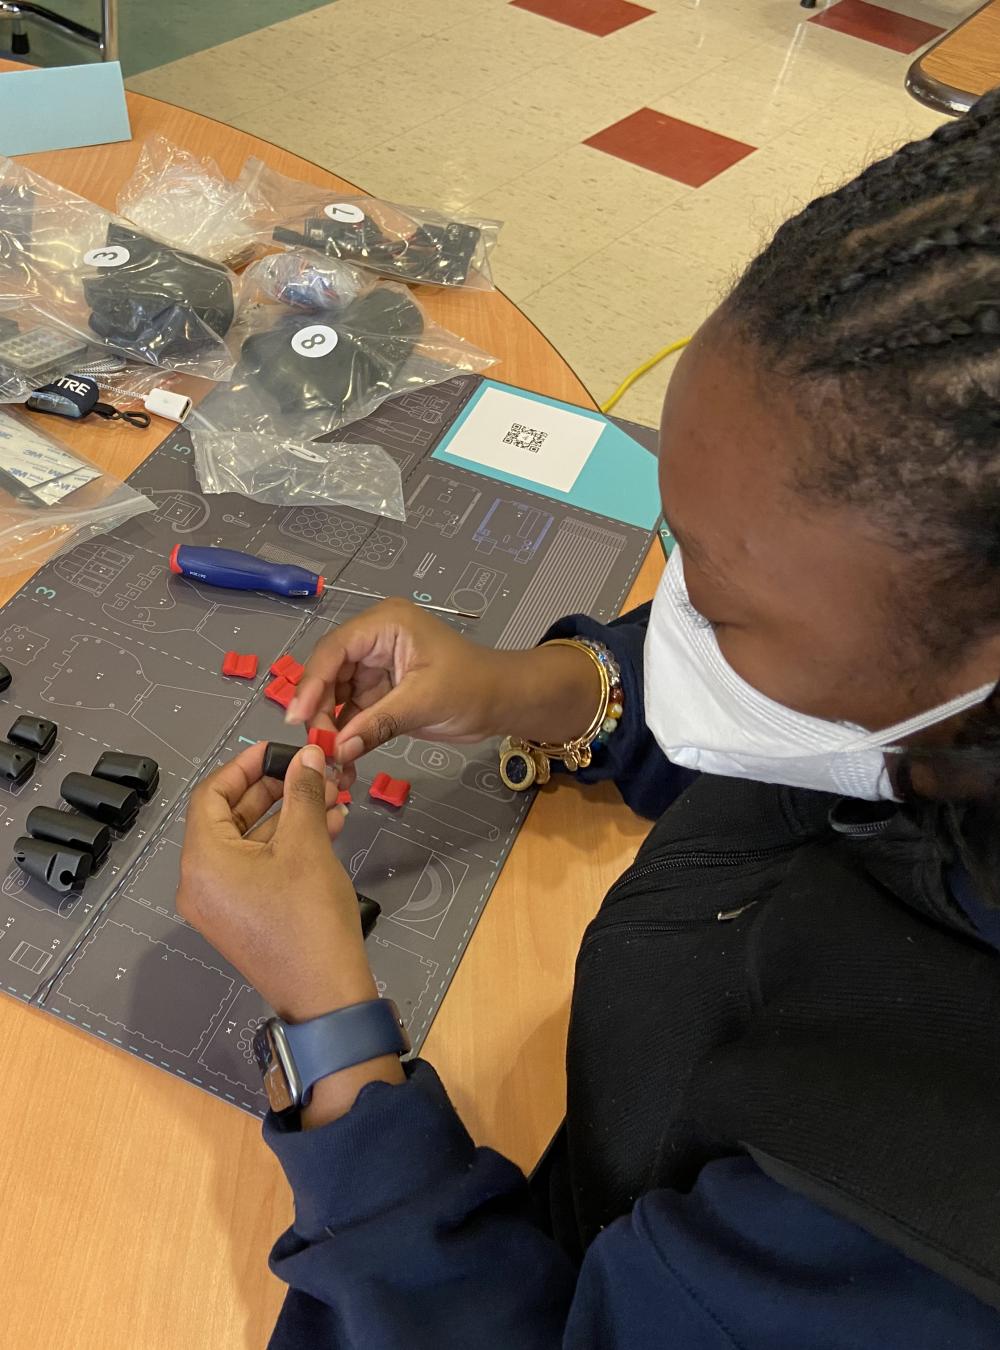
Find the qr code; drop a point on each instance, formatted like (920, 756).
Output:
(525, 438)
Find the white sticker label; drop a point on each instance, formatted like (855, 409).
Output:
(111, 255)
(344, 211)
(316, 340)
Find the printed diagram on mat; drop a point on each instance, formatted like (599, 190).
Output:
(123, 655)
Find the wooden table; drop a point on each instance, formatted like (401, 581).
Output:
(138, 1211)
(963, 64)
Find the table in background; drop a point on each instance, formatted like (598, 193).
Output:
(138, 1211)
(960, 66)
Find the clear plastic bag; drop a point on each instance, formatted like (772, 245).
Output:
(302, 280)
(407, 243)
(50, 499)
(300, 376)
(189, 203)
(293, 473)
(67, 262)
(35, 353)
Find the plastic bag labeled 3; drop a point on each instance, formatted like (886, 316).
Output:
(50, 499)
(407, 243)
(71, 263)
(300, 376)
(294, 473)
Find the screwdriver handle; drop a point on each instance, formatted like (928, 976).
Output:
(243, 571)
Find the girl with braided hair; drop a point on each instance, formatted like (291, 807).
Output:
(783, 1071)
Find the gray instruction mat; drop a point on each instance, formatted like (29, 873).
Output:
(123, 655)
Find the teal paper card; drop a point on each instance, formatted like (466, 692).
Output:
(567, 453)
(62, 107)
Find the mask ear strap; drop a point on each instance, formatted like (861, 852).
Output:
(887, 739)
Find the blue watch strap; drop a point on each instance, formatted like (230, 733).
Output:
(348, 1036)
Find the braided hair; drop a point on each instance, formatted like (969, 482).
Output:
(880, 304)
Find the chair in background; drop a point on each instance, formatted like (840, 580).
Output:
(104, 40)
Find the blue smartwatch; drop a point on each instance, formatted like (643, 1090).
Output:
(294, 1056)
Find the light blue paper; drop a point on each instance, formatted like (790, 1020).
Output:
(63, 107)
(619, 479)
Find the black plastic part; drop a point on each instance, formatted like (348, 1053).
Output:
(370, 910)
(62, 868)
(19, 44)
(16, 765)
(108, 802)
(35, 733)
(5, 675)
(138, 772)
(277, 758)
(69, 827)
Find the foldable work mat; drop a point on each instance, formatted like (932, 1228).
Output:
(124, 655)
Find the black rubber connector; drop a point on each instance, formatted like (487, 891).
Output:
(34, 733)
(5, 677)
(277, 758)
(69, 827)
(108, 802)
(16, 765)
(138, 772)
(370, 910)
(64, 869)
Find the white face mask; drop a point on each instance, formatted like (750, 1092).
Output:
(705, 717)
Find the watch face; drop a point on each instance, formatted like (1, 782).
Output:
(270, 1050)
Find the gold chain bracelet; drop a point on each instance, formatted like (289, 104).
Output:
(525, 763)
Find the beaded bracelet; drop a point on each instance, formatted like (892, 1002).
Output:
(524, 763)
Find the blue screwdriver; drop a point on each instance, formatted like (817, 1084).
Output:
(246, 572)
(243, 571)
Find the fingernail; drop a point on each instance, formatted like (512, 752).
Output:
(292, 713)
(313, 758)
(345, 808)
(349, 751)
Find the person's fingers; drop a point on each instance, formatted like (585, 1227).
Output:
(265, 831)
(210, 810)
(368, 638)
(255, 803)
(389, 716)
(303, 806)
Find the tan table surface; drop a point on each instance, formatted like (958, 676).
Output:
(138, 1211)
(963, 64)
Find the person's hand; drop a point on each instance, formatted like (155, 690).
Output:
(397, 669)
(268, 892)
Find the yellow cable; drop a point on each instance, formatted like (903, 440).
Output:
(630, 380)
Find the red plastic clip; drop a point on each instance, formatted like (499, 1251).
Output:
(326, 740)
(244, 667)
(287, 668)
(393, 791)
(280, 691)
(344, 797)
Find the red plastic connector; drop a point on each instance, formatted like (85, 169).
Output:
(326, 740)
(243, 667)
(392, 791)
(287, 668)
(280, 691)
(344, 797)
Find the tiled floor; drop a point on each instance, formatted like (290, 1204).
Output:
(504, 110)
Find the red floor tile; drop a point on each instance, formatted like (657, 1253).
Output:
(666, 145)
(898, 32)
(599, 17)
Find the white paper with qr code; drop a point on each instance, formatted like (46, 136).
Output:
(521, 436)
(33, 461)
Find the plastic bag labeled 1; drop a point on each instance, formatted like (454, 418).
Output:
(87, 273)
(187, 202)
(50, 499)
(407, 243)
(300, 376)
(294, 473)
